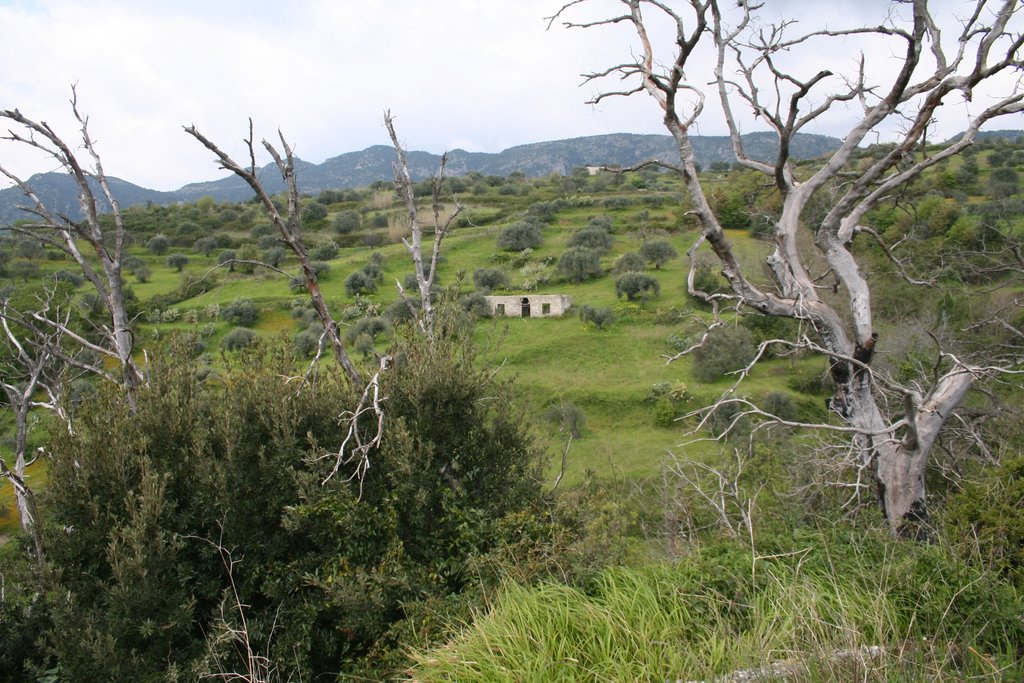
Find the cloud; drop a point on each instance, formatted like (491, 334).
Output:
(477, 74)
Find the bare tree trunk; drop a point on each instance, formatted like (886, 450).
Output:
(65, 234)
(425, 276)
(747, 70)
(290, 229)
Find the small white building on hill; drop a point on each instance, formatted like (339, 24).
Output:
(529, 305)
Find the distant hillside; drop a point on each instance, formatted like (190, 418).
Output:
(358, 169)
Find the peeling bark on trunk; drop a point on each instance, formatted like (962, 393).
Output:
(746, 71)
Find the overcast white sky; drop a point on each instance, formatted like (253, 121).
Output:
(480, 75)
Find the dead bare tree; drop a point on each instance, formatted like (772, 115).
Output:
(426, 274)
(289, 226)
(757, 65)
(33, 361)
(102, 265)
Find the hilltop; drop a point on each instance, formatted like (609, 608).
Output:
(373, 164)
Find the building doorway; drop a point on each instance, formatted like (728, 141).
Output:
(526, 307)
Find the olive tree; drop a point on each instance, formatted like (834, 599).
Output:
(768, 70)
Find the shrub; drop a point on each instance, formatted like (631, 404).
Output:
(320, 269)
(273, 256)
(346, 222)
(263, 230)
(726, 349)
(546, 211)
(489, 279)
(238, 338)
(601, 318)
(330, 567)
(628, 263)
(567, 416)
(579, 264)
(658, 252)
(326, 251)
(187, 229)
(205, 245)
(636, 286)
(476, 304)
(227, 256)
(158, 245)
(70, 278)
(177, 261)
(372, 327)
(313, 212)
(595, 238)
(241, 312)
(520, 236)
(988, 513)
(306, 343)
(359, 282)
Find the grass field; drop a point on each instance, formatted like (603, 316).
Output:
(608, 374)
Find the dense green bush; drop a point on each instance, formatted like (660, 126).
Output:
(313, 213)
(238, 338)
(628, 262)
(242, 312)
(658, 252)
(636, 286)
(594, 237)
(488, 279)
(177, 261)
(325, 566)
(345, 222)
(579, 264)
(158, 245)
(358, 282)
(325, 252)
(601, 318)
(568, 417)
(727, 349)
(986, 519)
(519, 236)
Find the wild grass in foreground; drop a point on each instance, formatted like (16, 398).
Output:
(877, 612)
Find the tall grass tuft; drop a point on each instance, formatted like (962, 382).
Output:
(719, 616)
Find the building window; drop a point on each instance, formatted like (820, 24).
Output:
(501, 309)
(545, 309)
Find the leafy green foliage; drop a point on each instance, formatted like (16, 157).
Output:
(594, 237)
(628, 262)
(177, 261)
(636, 286)
(238, 338)
(325, 569)
(519, 236)
(568, 417)
(727, 349)
(345, 222)
(601, 318)
(658, 252)
(240, 312)
(158, 245)
(579, 264)
(358, 282)
(987, 518)
(489, 279)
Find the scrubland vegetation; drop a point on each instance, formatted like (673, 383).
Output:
(777, 436)
(176, 526)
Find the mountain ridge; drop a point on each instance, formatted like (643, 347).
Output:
(363, 167)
